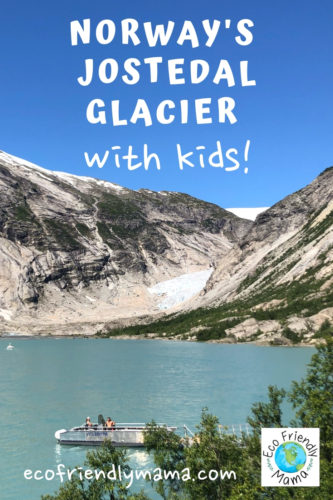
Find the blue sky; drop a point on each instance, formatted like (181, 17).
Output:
(287, 115)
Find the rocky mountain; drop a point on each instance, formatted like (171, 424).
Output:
(78, 254)
(275, 285)
(81, 255)
(282, 245)
(282, 270)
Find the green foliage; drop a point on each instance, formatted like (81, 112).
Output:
(23, 213)
(102, 459)
(168, 451)
(126, 231)
(63, 234)
(312, 397)
(268, 414)
(212, 450)
(104, 231)
(83, 229)
(294, 337)
(120, 214)
(255, 335)
(251, 278)
(325, 331)
(217, 331)
(113, 206)
(71, 490)
(314, 232)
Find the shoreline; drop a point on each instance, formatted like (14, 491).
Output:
(165, 339)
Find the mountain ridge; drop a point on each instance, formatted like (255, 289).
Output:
(80, 255)
(64, 235)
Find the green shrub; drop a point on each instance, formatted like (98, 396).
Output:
(63, 233)
(294, 337)
(83, 229)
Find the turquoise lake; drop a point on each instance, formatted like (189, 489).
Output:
(50, 384)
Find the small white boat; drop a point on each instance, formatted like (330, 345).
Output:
(10, 347)
(124, 434)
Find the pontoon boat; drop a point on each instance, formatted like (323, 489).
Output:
(128, 435)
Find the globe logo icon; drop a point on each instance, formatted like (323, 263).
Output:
(290, 457)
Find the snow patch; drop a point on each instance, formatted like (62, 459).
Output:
(89, 298)
(71, 178)
(177, 290)
(247, 213)
(6, 314)
(15, 160)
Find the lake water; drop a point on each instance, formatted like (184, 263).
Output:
(50, 384)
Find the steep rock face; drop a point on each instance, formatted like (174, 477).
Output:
(286, 242)
(75, 249)
(292, 212)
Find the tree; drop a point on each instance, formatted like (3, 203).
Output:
(312, 400)
(210, 449)
(312, 397)
(268, 414)
(168, 450)
(102, 488)
(213, 450)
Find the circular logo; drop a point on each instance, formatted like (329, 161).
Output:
(290, 457)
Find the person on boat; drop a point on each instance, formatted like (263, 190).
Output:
(110, 423)
(88, 422)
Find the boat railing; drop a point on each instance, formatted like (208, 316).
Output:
(138, 424)
(187, 431)
(120, 426)
(235, 429)
(232, 429)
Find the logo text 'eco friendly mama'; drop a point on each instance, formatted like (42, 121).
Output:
(290, 457)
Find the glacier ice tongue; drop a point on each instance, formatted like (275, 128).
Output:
(177, 290)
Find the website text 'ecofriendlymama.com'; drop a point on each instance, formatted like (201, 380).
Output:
(62, 474)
